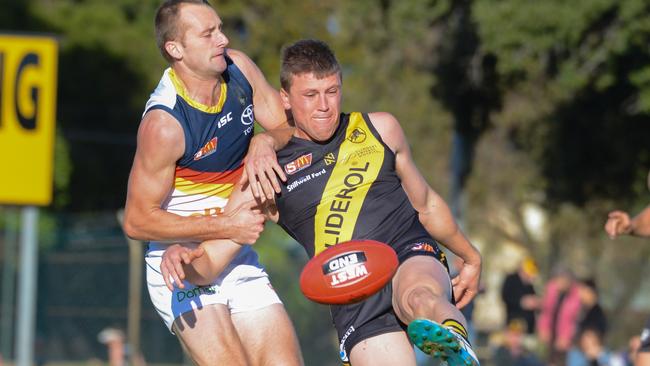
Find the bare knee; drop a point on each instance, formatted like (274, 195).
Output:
(418, 302)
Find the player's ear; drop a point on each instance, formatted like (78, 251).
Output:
(174, 50)
(285, 99)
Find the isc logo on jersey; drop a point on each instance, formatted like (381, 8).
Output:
(299, 164)
(346, 269)
(224, 120)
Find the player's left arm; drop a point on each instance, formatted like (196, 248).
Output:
(201, 265)
(434, 213)
(261, 164)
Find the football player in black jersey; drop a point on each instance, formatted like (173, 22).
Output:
(352, 176)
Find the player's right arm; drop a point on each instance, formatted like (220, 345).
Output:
(620, 223)
(160, 144)
(260, 164)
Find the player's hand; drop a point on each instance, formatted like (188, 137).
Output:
(261, 168)
(246, 223)
(466, 284)
(618, 223)
(172, 262)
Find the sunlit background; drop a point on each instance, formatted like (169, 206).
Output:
(531, 118)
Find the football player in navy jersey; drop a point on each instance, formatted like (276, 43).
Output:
(195, 144)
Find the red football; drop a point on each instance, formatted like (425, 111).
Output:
(348, 272)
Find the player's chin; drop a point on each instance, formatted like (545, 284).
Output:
(218, 64)
(325, 133)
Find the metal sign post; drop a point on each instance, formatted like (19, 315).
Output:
(27, 287)
(135, 294)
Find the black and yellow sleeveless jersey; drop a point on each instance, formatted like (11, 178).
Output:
(344, 189)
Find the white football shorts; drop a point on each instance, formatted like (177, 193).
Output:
(243, 286)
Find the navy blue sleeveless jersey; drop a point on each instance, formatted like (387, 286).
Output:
(216, 140)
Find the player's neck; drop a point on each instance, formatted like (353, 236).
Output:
(201, 88)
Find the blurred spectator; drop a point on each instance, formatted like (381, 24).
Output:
(590, 351)
(593, 316)
(513, 351)
(560, 311)
(115, 341)
(632, 350)
(519, 296)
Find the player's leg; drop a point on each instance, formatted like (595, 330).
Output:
(268, 336)
(421, 298)
(209, 337)
(369, 333)
(263, 325)
(198, 315)
(385, 349)
(422, 289)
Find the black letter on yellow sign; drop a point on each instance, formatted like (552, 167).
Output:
(29, 123)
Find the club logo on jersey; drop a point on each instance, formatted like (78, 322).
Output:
(206, 150)
(422, 246)
(299, 164)
(247, 117)
(329, 158)
(357, 136)
(431, 248)
(346, 269)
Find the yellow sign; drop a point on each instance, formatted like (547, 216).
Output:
(28, 70)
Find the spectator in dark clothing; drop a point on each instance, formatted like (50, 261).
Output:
(519, 295)
(593, 316)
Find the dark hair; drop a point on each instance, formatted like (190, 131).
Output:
(591, 284)
(166, 22)
(307, 56)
